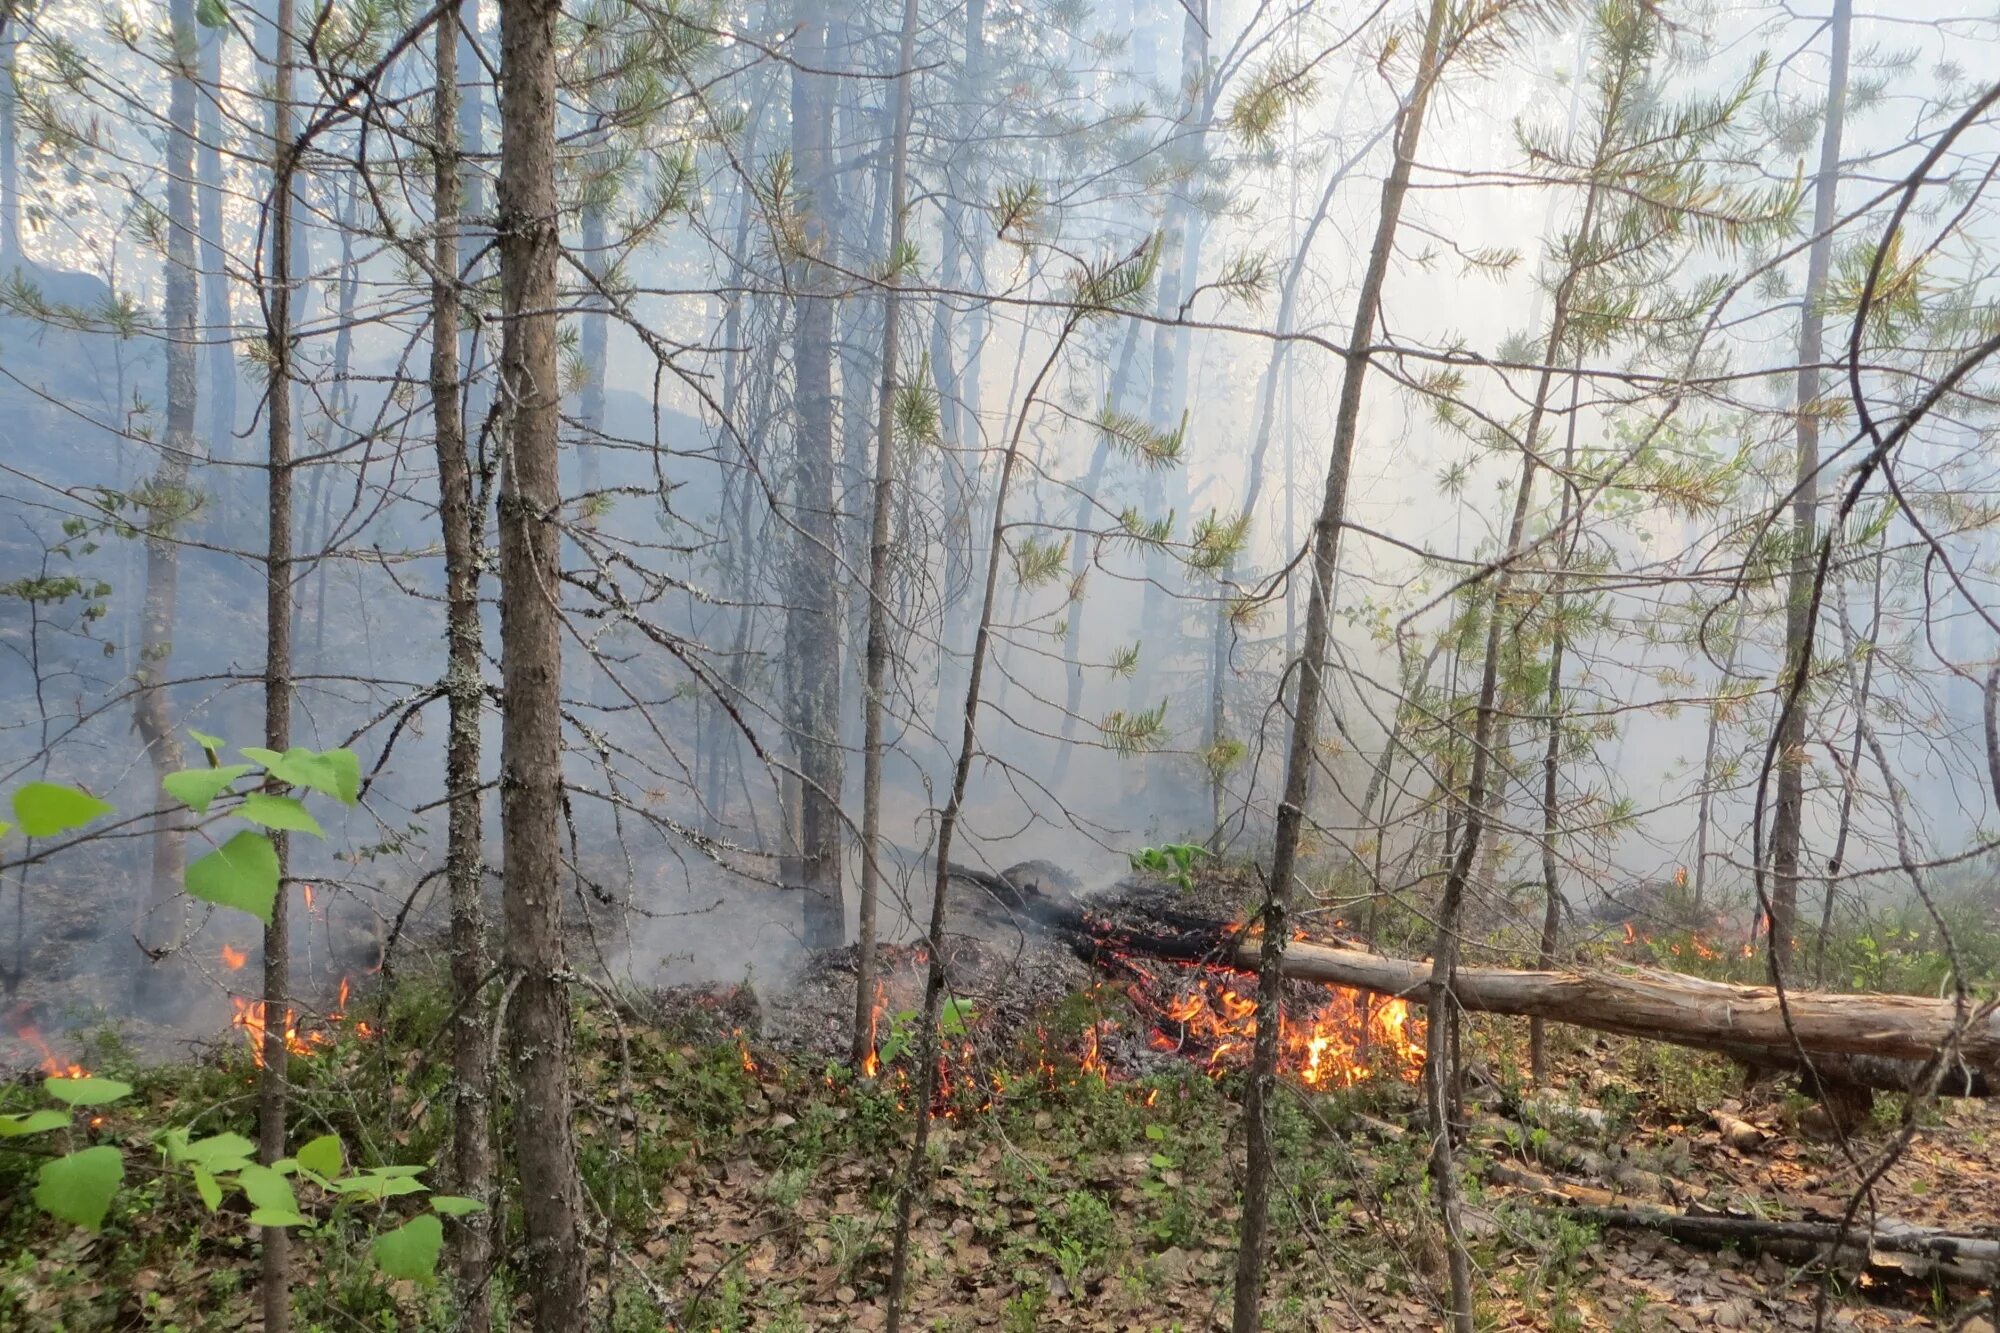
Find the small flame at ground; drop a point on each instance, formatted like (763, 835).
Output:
(250, 1019)
(51, 1064)
(233, 958)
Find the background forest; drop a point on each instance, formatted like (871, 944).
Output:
(758, 612)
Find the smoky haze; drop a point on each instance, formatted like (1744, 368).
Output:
(1226, 164)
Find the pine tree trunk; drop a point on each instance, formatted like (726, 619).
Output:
(272, 1094)
(531, 669)
(1302, 752)
(471, 1134)
(167, 499)
(878, 558)
(11, 15)
(1788, 816)
(812, 622)
(216, 314)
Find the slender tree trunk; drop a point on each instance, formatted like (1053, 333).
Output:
(167, 494)
(1788, 815)
(12, 12)
(1277, 367)
(1705, 808)
(272, 1093)
(1552, 894)
(878, 558)
(216, 317)
(471, 1132)
(915, 1172)
(531, 668)
(1167, 386)
(812, 623)
(1302, 753)
(1079, 560)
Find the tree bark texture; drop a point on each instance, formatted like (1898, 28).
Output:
(531, 794)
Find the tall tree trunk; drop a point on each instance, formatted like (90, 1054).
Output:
(464, 680)
(812, 622)
(1788, 816)
(531, 667)
(167, 493)
(12, 13)
(214, 256)
(878, 557)
(272, 1094)
(1302, 753)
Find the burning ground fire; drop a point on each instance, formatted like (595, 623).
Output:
(1330, 1037)
(249, 1017)
(29, 1035)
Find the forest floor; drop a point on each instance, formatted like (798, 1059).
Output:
(744, 1182)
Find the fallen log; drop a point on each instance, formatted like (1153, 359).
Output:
(1859, 1041)
(1876, 1040)
(1889, 1246)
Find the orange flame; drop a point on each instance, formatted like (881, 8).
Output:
(234, 958)
(309, 897)
(250, 1019)
(51, 1064)
(1327, 1048)
(871, 1064)
(1631, 935)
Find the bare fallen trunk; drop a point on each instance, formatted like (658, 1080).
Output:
(1881, 1035)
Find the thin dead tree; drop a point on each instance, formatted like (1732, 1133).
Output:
(1788, 813)
(272, 1097)
(166, 496)
(1102, 289)
(1302, 754)
(877, 663)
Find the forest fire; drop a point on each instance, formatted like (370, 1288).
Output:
(1337, 1041)
(234, 958)
(51, 1064)
(249, 1019)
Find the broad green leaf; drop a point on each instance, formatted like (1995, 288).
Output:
(276, 1217)
(48, 808)
(219, 1152)
(205, 1186)
(379, 1188)
(206, 741)
(279, 812)
(86, 1091)
(196, 787)
(242, 873)
(322, 1156)
(35, 1122)
(455, 1205)
(78, 1188)
(335, 772)
(270, 1194)
(411, 1250)
(211, 14)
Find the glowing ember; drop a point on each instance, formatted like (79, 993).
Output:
(309, 897)
(234, 958)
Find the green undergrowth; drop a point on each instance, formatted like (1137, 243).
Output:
(730, 1187)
